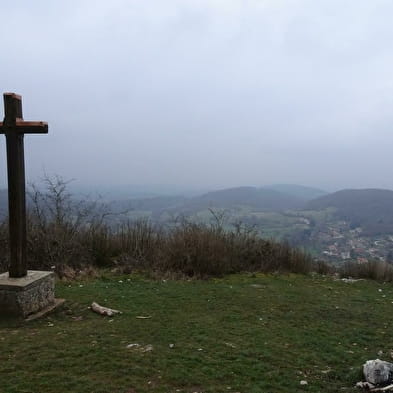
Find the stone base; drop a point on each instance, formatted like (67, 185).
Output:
(21, 297)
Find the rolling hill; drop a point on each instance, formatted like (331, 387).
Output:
(262, 199)
(370, 209)
(298, 191)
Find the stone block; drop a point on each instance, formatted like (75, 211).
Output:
(21, 297)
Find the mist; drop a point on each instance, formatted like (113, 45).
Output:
(199, 94)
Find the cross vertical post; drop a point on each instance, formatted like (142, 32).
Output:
(16, 187)
(14, 128)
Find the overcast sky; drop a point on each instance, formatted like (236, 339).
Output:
(202, 93)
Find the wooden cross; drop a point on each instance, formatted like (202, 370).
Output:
(14, 128)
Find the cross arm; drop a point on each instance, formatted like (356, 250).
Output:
(25, 127)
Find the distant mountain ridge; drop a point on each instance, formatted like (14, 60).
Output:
(371, 209)
(302, 192)
(257, 198)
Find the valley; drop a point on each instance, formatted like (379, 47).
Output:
(348, 225)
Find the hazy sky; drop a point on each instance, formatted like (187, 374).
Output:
(204, 92)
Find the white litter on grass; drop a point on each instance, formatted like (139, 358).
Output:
(129, 346)
(351, 280)
(103, 310)
(303, 383)
(140, 348)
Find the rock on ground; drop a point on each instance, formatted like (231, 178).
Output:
(378, 372)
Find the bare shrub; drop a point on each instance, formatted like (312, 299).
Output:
(59, 228)
(322, 267)
(373, 270)
(197, 250)
(72, 236)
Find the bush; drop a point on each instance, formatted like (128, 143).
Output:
(373, 270)
(66, 234)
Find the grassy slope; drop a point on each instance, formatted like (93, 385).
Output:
(239, 334)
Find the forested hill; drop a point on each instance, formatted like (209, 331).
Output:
(302, 192)
(371, 209)
(257, 198)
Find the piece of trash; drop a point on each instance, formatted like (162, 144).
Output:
(140, 348)
(147, 348)
(50, 324)
(133, 346)
(303, 383)
(350, 280)
(171, 345)
(364, 385)
(143, 317)
(370, 387)
(110, 312)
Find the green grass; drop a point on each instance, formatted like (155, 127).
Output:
(243, 333)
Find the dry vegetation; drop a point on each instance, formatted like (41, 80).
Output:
(70, 236)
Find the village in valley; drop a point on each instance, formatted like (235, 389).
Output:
(330, 238)
(337, 242)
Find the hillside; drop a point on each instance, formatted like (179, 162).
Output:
(148, 204)
(250, 198)
(257, 198)
(298, 191)
(370, 209)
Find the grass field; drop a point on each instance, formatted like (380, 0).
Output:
(243, 333)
